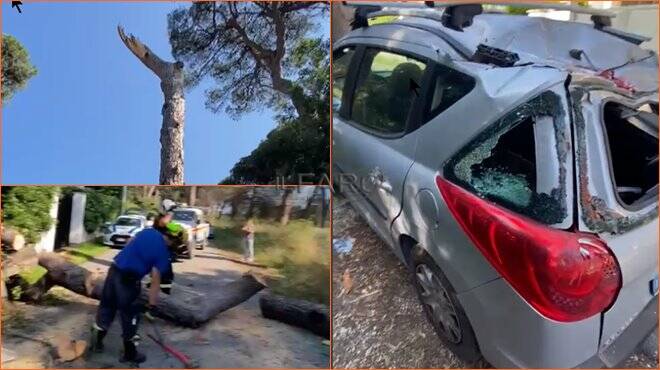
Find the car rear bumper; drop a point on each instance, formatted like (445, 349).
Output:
(511, 333)
(629, 339)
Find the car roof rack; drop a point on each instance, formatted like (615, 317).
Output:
(452, 3)
(459, 14)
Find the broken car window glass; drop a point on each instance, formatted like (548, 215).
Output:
(341, 60)
(504, 169)
(383, 94)
(516, 164)
(632, 137)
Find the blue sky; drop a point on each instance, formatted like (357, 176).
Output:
(92, 114)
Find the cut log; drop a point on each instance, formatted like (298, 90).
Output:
(21, 290)
(192, 308)
(12, 239)
(297, 312)
(185, 306)
(71, 276)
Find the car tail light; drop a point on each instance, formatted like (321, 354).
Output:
(566, 276)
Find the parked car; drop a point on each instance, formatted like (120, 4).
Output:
(118, 233)
(511, 163)
(195, 225)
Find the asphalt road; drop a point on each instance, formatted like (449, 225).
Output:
(380, 323)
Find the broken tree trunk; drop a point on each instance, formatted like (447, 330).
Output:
(304, 314)
(173, 111)
(185, 306)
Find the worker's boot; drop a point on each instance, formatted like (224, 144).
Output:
(131, 353)
(98, 333)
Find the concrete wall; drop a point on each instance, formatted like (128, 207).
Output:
(47, 241)
(77, 233)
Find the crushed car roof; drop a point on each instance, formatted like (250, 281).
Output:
(564, 45)
(539, 40)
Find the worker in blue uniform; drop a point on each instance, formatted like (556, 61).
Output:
(147, 253)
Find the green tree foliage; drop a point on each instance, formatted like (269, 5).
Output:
(140, 199)
(263, 54)
(27, 209)
(16, 67)
(103, 204)
(299, 145)
(517, 10)
(243, 46)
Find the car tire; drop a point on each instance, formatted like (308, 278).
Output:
(454, 328)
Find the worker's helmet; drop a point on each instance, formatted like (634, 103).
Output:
(167, 205)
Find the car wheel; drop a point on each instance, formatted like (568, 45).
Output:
(442, 308)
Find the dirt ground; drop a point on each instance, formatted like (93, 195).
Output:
(239, 337)
(380, 323)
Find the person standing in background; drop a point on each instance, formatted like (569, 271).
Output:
(248, 241)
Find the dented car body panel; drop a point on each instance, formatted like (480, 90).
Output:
(560, 102)
(631, 233)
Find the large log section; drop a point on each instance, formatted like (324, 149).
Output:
(185, 306)
(307, 315)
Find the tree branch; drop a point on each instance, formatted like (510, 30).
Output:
(280, 48)
(142, 52)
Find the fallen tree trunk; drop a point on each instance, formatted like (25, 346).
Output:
(297, 312)
(185, 306)
(20, 289)
(71, 276)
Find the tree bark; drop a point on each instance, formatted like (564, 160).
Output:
(173, 111)
(20, 290)
(185, 306)
(304, 314)
(287, 88)
(287, 205)
(193, 195)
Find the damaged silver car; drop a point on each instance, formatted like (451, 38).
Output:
(511, 162)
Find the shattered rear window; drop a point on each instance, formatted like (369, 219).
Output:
(517, 161)
(632, 136)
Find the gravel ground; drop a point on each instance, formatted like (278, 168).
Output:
(380, 323)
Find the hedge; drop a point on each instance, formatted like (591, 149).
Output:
(27, 209)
